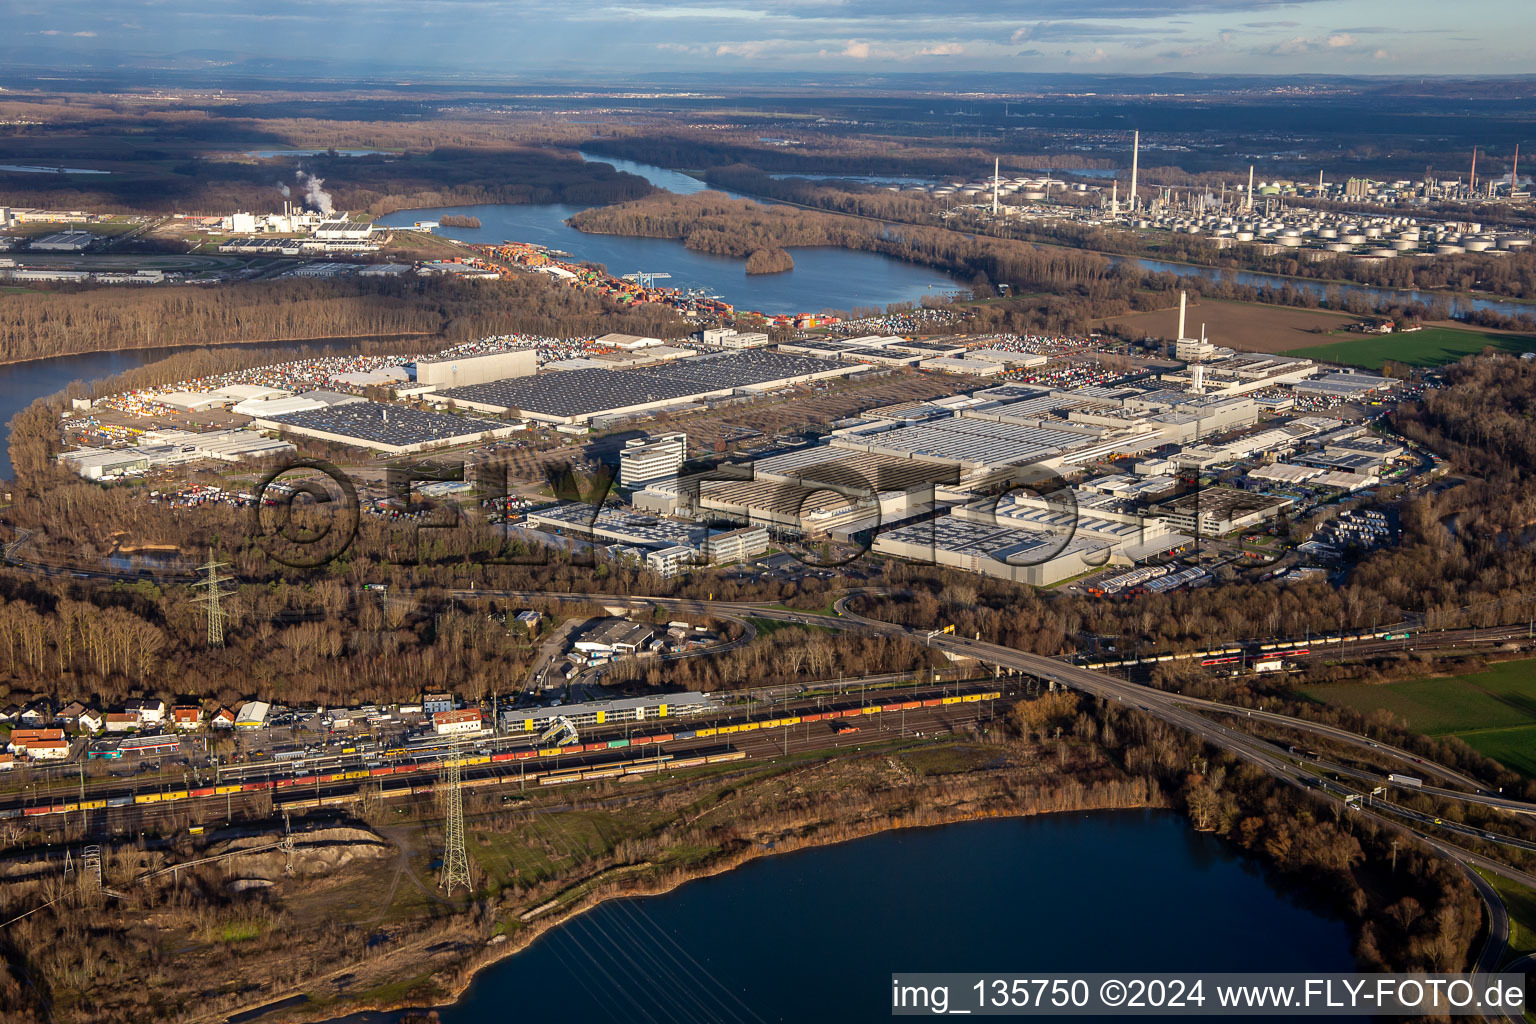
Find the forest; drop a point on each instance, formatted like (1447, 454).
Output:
(433, 310)
(192, 155)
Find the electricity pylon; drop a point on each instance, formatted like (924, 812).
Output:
(455, 856)
(212, 587)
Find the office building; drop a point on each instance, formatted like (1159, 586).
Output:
(646, 460)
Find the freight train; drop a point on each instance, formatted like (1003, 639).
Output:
(290, 790)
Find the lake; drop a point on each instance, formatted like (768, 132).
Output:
(815, 935)
(823, 278)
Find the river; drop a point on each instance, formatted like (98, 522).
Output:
(823, 278)
(815, 935)
(21, 384)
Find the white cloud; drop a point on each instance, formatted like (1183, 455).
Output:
(1340, 39)
(941, 50)
(856, 50)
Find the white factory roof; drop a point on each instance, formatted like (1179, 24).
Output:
(383, 375)
(263, 409)
(1285, 473)
(191, 401)
(1007, 358)
(954, 364)
(241, 392)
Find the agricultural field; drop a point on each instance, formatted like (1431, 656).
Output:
(1433, 346)
(1247, 326)
(1493, 711)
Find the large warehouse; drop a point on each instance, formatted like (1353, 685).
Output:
(577, 396)
(386, 428)
(1039, 557)
(462, 371)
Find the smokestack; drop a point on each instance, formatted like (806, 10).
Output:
(1513, 169)
(1114, 198)
(1135, 156)
(1250, 187)
(1183, 298)
(995, 185)
(1472, 180)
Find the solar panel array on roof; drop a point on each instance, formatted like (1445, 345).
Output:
(587, 392)
(971, 440)
(391, 425)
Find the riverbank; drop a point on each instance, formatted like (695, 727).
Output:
(403, 985)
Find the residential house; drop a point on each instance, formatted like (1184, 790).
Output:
(151, 710)
(121, 721)
(48, 750)
(7, 762)
(69, 714)
(90, 720)
(224, 719)
(434, 703)
(38, 713)
(186, 718)
(9, 712)
(23, 739)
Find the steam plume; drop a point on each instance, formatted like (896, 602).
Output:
(314, 194)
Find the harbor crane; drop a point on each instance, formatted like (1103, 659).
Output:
(645, 279)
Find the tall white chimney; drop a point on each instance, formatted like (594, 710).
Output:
(1135, 156)
(1114, 198)
(1183, 298)
(1250, 187)
(996, 184)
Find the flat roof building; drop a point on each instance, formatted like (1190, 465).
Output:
(392, 429)
(645, 460)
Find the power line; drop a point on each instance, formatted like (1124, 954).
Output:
(211, 598)
(455, 857)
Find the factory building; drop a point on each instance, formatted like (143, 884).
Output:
(725, 337)
(646, 460)
(737, 545)
(460, 371)
(583, 395)
(1218, 511)
(172, 448)
(391, 429)
(671, 562)
(612, 525)
(1038, 557)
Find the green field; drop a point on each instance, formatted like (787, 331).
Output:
(1433, 346)
(1521, 904)
(1494, 711)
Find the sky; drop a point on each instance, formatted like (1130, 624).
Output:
(568, 37)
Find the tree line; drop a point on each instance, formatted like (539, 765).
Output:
(446, 309)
